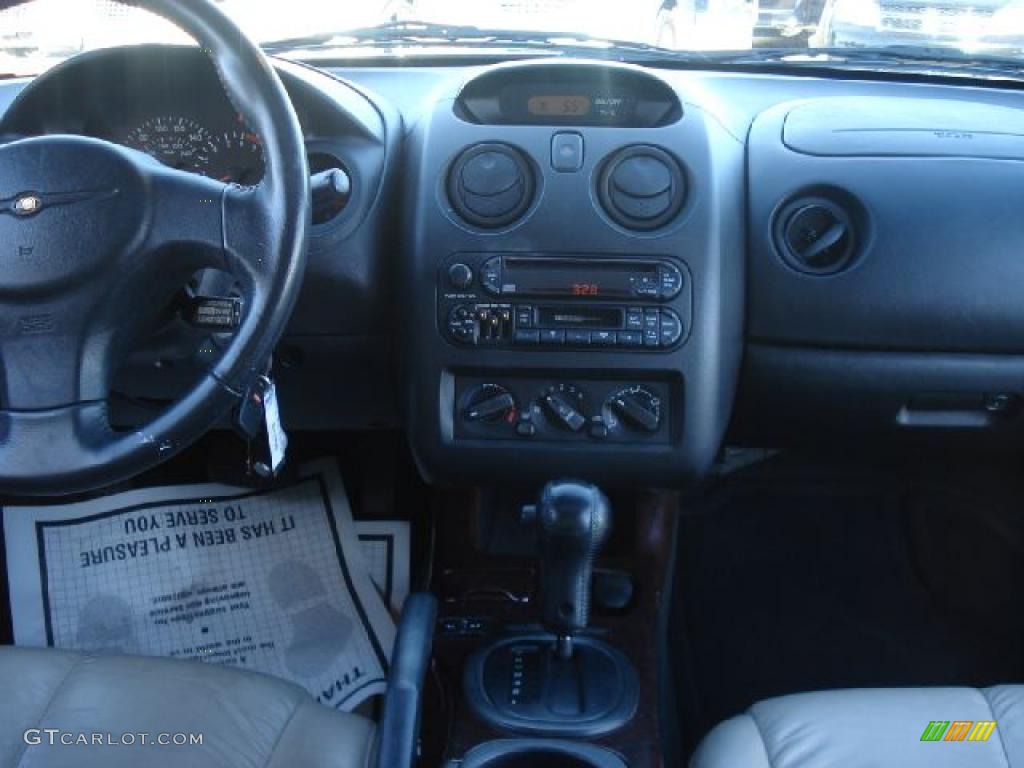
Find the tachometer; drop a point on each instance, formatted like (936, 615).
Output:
(178, 142)
(238, 157)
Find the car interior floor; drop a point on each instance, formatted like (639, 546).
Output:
(809, 574)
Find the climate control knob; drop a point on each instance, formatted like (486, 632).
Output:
(634, 408)
(488, 403)
(563, 406)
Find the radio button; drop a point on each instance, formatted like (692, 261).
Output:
(652, 338)
(671, 280)
(527, 337)
(635, 319)
(552, 337)
(603, 338)
(490, 275)
(651, 320)
(671, 328)
(630, 339)
(461, 325)
(524, 317)
(579, 338)
(647, 288)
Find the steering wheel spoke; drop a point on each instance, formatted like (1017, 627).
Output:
(52, 440)
(201, 222)
(56, 353)
(56, 360)
(185, 217)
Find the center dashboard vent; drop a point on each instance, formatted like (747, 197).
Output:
(815, 235)
(491, 185)
(642, 188)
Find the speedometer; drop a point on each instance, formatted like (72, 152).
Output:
(178, 142)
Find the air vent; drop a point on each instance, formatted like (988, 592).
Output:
(491, 185)
(642, 188)
(815, 235)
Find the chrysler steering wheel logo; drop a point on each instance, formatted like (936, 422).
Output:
(27, 204)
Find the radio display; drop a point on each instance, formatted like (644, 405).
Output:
(547, 277)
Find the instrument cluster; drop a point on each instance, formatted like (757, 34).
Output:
(227, 153)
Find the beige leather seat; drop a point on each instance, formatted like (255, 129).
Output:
(865, 728)
(245, 719)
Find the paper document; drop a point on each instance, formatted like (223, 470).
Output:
(385, 546)
(270, 580)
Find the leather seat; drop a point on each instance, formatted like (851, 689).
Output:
(866, 727)
(245, 718)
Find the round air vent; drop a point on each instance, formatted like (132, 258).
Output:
(642, 188)
(491, 185)
(815, 235)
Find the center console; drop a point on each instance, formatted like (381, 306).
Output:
(572, 287)
(546, 644)
(560, 682)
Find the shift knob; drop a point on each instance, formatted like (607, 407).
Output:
(572, 520)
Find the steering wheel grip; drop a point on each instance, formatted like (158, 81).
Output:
(55, 437)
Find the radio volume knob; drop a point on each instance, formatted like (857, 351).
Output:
(460, 275)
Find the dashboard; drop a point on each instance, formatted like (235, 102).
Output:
(602, 270)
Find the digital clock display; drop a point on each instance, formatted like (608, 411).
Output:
(559, 106)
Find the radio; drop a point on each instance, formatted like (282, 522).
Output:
(546, 276)
(544, 301)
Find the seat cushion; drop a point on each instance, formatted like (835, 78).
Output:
(873, 727)
(245, 718)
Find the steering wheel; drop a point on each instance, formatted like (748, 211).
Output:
(95, 238)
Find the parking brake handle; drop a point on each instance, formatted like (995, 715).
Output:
(398, 745)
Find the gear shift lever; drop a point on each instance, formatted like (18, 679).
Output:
(573, 520)
(587, 686)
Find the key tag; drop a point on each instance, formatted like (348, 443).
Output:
(277, 439)
(258, 419)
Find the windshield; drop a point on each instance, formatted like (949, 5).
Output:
(38, 34)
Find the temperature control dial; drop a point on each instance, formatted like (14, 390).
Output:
(488, 403)
(633, 408)
(562, 404)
